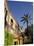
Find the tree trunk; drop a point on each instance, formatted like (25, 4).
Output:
(23, 39)
(27, 29)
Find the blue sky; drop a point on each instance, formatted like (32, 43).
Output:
(19, 9)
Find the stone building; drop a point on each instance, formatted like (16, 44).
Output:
(12, 26)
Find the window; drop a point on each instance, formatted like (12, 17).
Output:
(11, 21)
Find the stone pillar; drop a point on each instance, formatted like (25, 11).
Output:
(21, 40)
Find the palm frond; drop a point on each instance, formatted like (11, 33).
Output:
(21, 20)
(22, 17)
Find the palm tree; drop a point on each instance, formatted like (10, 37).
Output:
(26, 18)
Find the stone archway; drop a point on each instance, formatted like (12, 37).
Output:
(16, 42)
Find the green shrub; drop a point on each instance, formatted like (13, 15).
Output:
(8, 38)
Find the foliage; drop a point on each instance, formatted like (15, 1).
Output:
(29, 30)
(25, 19)
(30, 33)
(8, 38)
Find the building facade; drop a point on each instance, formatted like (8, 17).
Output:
(12, 26)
